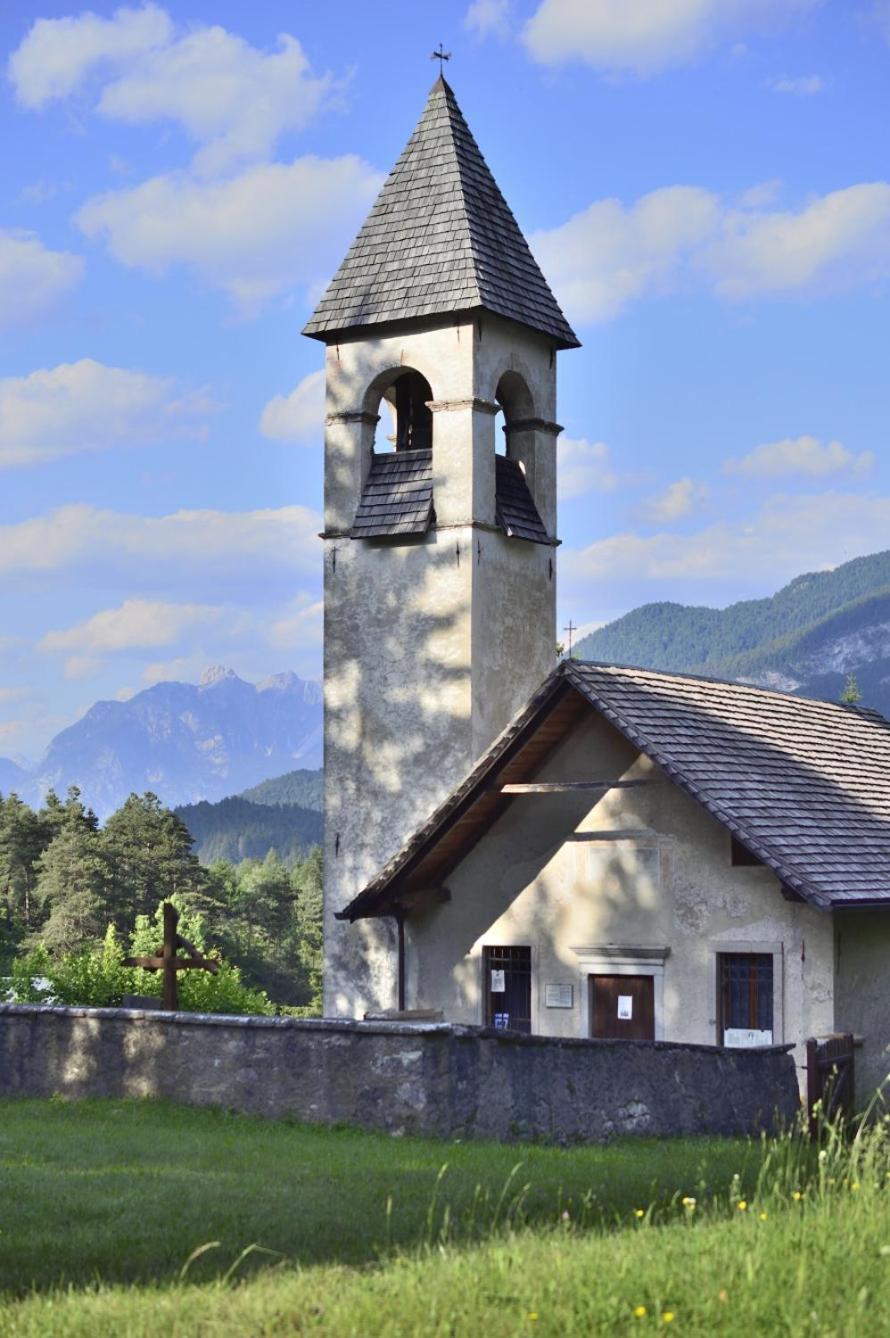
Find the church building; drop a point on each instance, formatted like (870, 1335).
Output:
(571, 849)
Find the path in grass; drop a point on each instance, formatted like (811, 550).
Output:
(126, 1191)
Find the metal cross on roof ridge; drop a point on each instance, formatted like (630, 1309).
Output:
(571, 629)
(441, 55)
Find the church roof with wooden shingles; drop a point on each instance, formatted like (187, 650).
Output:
(803, 784)
(439, 240)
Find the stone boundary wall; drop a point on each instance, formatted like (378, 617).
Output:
(435, 1079)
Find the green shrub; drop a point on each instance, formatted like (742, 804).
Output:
(97, 978)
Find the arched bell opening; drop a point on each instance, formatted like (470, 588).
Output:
(396, 503)
(515, 406)
(402, 397)
(515, 461)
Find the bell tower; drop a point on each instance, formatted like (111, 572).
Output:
(440, 541)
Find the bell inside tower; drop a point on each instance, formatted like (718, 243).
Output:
(409, 398)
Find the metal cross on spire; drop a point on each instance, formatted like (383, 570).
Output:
(441, 55)
(571, 629)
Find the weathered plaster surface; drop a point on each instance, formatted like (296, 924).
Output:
(431, 645)
(544, 876)
(862, 992)
(441, 1081)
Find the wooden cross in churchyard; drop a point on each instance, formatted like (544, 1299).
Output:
(441, 55)
(167, 961)
(571, 629)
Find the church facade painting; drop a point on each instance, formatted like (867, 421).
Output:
(579, 851)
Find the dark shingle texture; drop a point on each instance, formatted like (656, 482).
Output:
(514, 508)
(439, 239)
(804, 784)
(397, 497)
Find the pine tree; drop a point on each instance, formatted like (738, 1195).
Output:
(22, 841)
(851, 693)
(55, 815)
(149, 851)
(72, 881)
(309, 915)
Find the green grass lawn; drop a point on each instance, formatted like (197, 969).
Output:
(368, 1235)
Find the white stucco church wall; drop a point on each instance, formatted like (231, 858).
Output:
(660, 897)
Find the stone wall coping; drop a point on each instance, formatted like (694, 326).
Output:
(350, 1026)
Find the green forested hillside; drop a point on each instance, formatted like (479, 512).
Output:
(303, 787)
(807, 637)
(236, 829)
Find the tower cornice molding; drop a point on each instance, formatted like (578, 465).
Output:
(353, 416)
(533, 425)
(472, 402)
(433, 529)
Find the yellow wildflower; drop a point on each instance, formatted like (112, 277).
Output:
(639, 1212)
(742, 1205)
(688, 1202)
(855, 1186)
(533, 1315)
(797, 1196)
(639, 1312)
(764, 1216)
(667, 1316)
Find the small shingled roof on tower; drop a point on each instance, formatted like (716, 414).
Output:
(440, 239)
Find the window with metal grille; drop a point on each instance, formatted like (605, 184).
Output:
(507, 987)
(746, 991)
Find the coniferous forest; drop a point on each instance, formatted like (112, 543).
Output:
(77, 897)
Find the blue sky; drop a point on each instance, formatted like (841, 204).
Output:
(705, 182)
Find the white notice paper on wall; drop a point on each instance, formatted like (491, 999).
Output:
(498, 984)
(625, 1007)
(744, 1038)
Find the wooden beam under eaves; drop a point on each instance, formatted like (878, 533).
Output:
(568, 787)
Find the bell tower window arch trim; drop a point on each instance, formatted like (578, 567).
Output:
(396, 502)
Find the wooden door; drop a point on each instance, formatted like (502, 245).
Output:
(622, 1008)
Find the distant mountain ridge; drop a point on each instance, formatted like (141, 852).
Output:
(186, 742)
(806, 638)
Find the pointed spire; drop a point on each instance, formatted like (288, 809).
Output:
(439, 240)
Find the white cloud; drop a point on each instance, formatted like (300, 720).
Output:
(136, 624)
(217, 549)
(87, 406)
(644, 36)
(274, 226)
(790, 534)
(139, 625)
(32, 278)
(680, 238)
(583, 466)
(301, 624)
(14, 694)
(486, 17)
(803, 456)
(801, 86)
(57, 55)
(299, 416)
(606, 256)
(679, 499)
(838, 240)
(228, 96)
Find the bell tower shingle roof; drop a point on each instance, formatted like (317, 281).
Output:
(440, 239)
